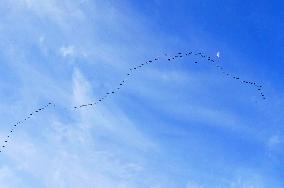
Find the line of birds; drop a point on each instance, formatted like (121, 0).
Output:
(175, 57)
(258, 87)
(179, 55)
(19, 123)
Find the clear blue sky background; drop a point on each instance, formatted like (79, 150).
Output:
(178, 124)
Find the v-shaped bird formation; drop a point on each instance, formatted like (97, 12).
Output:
(131, 72)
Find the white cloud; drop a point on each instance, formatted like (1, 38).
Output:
(67, 51)
(109, 117)
(54, 10)
(70, 156)
(82, 91)
(71, 51)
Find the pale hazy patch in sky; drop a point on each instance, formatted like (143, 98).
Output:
(67, 51)
(192, 184)
(273, 142)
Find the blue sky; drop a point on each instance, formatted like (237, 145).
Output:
(173, 124)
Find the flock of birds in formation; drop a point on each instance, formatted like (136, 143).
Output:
(123, 82)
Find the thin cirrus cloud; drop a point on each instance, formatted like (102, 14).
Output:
(60, 139)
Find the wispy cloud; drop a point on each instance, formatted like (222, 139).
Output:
(67, 51)
(129, 140)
